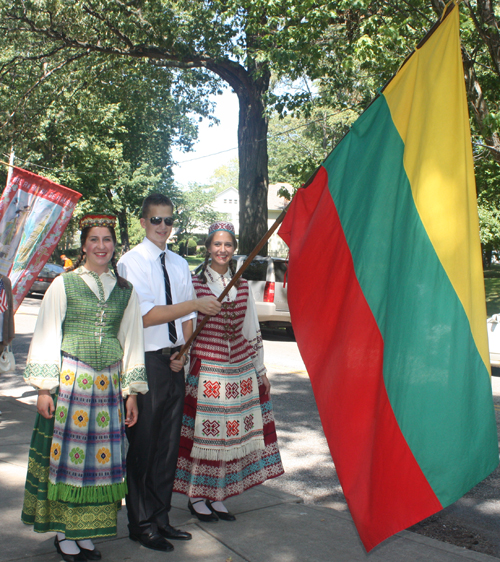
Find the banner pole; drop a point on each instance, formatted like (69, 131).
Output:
(10, 171)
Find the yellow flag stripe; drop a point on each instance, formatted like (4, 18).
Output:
(428, 105)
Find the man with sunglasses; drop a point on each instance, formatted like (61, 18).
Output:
(163, 283)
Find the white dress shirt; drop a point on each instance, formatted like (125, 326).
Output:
(142, 267)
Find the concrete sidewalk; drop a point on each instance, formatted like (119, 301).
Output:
(271, 526)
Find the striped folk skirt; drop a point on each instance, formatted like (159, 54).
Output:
(76, 468)
(242, 460)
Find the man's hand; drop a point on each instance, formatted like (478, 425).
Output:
(177, 364)
(132, 411)
(45, 404)
(208, 305)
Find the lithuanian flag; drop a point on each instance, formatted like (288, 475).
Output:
(387, 299)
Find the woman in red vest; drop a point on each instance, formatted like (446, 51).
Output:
(228, 439)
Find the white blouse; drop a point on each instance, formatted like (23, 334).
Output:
(45, 348)
(251, 327)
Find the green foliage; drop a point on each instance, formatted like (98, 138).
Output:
(191, 247)
(297, 146)
(76, 71)
(135, 231)
(194, 212)
(106, 132)
(489, 221)
(224, 177)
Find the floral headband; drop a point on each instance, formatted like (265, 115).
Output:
(227, 226)
(97, 220)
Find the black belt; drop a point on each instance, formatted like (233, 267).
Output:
(165, 350)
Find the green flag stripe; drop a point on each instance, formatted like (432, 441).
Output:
(437, 383)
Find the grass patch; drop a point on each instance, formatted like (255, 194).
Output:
(492, 271)
(193, 261)
(492, 287)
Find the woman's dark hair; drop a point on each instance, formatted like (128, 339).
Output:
(121, 281)
(202, 276)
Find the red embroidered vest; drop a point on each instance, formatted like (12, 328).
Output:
(221, 338)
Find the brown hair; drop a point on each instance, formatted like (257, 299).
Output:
(155, 199)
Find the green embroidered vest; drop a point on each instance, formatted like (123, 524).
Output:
(91, 324)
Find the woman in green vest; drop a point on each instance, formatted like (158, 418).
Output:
(87, 361)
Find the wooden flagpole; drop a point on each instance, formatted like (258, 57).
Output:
(447, 10)
(235, 278)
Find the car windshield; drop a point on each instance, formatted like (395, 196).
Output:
(280, 268)
(256, 271)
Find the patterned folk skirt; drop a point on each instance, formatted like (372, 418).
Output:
(244, 458)
(76, 469)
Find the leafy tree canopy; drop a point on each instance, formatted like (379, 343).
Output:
(350, 48)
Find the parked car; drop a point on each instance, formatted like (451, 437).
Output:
(48, 273)
(266, 275)
(493, 327)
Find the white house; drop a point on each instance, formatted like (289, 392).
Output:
(228, 201)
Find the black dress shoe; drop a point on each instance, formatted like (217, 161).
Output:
(171, 533)
(90, 554)
(68, 557)
(224, 515)
(153, 541)
(206, 518)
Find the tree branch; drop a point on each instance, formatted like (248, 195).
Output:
(109, 25)
(42, 79)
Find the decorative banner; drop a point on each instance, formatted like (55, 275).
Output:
(386, 296)
(34, 212)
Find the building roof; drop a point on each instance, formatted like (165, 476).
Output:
(228, 190)
(274, 202)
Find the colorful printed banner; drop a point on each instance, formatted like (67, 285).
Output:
(387, 299)
(34, 212)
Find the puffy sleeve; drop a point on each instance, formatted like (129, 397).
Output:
(251, 331)
(44, 358)
(131, 338)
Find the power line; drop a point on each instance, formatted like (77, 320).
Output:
(276, 135)
(269, 137)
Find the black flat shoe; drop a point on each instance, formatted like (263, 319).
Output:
(80, 557)
(153, 541)
(90, 554)
(171, 533)
(206, 518)
(224, 515)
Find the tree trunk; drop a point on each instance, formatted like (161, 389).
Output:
(123, 226)
(480, 107)
(250, 84)
(487, 26)
(253, 176)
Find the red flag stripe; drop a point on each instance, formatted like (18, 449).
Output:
(372, 458)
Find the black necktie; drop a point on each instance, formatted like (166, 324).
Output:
(172, 332)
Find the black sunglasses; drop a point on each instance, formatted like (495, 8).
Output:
(169, 221)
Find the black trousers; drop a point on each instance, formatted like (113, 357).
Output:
(154, 446)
